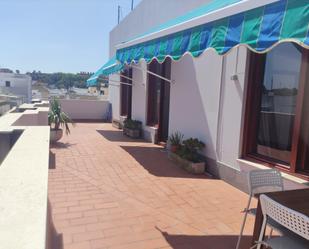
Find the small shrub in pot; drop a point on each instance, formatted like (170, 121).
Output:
(188, 156)
(132, 128)
(175, 141)
(57, 119)
(132, 124)
(190, 149)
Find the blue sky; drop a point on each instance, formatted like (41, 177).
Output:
(57, 35)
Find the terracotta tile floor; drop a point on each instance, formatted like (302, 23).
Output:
(108, 192)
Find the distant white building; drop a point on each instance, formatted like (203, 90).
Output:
(16, 84)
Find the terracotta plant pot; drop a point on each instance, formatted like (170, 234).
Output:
(55, 135)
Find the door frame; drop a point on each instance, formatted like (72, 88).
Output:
(164, 86)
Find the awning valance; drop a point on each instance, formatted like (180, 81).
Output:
(241, 22)
(112, 66)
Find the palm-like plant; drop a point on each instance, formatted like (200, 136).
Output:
(57, 118)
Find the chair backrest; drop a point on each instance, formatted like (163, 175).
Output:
(268, 180)
(289, 218)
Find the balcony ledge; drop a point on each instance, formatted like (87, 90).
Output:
(23, 184)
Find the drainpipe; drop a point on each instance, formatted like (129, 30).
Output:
(220, 117)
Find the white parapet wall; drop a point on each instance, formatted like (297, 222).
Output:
(79, 109)
(24, 179)
(24, 163)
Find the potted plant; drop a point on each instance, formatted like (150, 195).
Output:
(57, 119)
(175, 141)
(132, 128)
(188, 156)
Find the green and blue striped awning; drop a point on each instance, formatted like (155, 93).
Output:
(260, 29)
(112, 66)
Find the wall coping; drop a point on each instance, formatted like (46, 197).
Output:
(23, 185)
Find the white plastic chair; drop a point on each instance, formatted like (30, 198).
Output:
(260, 181)
(294, 221)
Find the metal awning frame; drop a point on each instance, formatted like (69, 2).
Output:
(152, 73)
(121, 83)
(143, 70)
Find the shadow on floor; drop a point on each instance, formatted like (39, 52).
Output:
(60, 145)
(52, 160)
(205, 242)
(57, 240)
(156, 162)
(54, 240)
(117, 136)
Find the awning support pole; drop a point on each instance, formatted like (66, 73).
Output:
(126, 77)
(154, 74)
(121, 83)
(114, 85)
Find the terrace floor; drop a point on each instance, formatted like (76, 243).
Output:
(110, 192)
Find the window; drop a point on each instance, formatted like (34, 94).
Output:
(275, 117)
(7, 83)
(126, 93)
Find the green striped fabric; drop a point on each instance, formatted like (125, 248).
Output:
(112, 66)
(260, 29)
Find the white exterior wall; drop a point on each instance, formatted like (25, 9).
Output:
(196, 93)
(144, 17)
(205, 102)
(139, 100)
(114, 96)
(232, 107)
(21, 85)
(196, 108)
(139, 94)
(79, 109)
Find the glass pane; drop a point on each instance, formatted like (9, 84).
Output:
(278, 102)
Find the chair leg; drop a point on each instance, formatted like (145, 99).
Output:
(261, 243)
(262, 232)
(241, 230)
(243, 223)
(270, 233)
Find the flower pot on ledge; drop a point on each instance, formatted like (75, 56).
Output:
(132, 133)
(191, 167)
